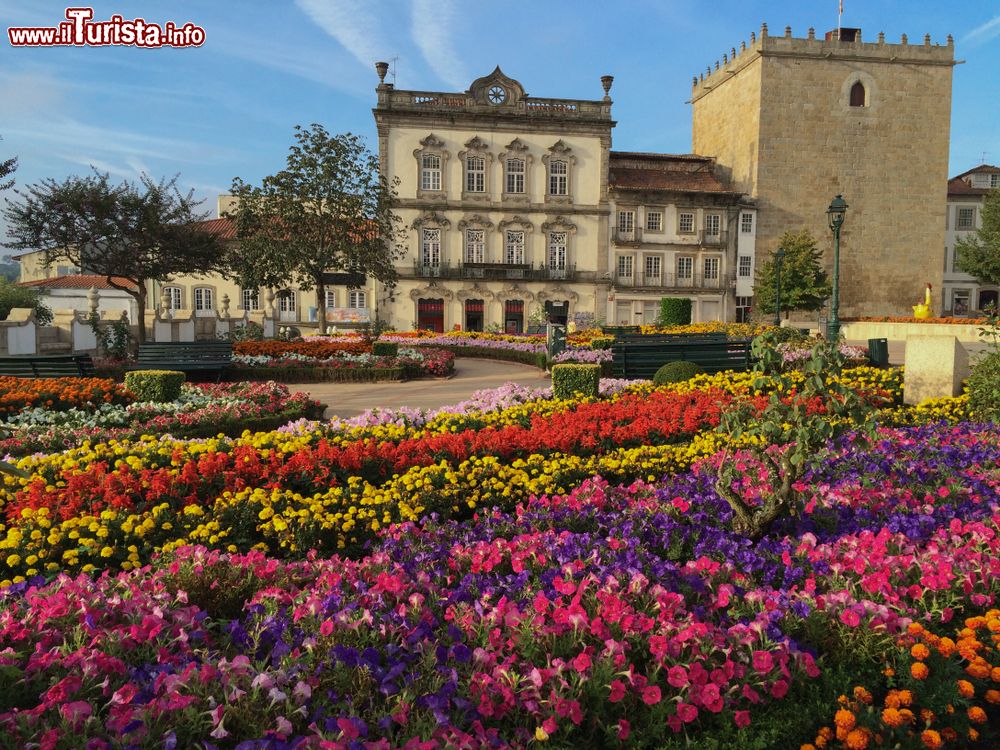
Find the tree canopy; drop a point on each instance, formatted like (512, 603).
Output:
(804, 283)
(979, 253)
(140, 232)
(330, 209)
(7, 168)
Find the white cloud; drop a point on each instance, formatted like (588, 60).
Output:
(353, 23)
(433, 22)
(983, 32)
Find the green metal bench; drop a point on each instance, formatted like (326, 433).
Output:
(192, 358)
(641, 359)
(47, 366)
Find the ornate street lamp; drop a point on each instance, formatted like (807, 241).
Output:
(835, 213)
(778, 257)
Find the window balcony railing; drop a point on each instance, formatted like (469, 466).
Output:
(719, 239)
(672, 281)
(495, 271)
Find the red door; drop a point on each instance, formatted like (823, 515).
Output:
(430, 315)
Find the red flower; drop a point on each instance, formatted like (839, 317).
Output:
(651, 695)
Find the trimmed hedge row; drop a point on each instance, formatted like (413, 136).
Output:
(317, 374)
(568, 380)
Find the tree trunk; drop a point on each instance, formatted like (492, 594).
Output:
(140, 298)
(321, 305)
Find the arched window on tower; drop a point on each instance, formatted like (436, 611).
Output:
(858, 95)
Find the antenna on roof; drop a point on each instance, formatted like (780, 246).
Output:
(393, 61)
(984, 157)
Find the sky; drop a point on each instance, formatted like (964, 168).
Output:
(227, 108)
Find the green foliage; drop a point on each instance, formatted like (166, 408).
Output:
(978, 254)
(789, 436)
(139, 232)
(674, 311)
(804, 284)
(160, 386)
(764, 348)
(249, 331)
(676, 372)
(7, 167)
(385, 348)
(602, 342)
(12, 295)
(542, 360)
(372, 331)
(329, 208)
(113, 339)
(568, 380)
(983, 386)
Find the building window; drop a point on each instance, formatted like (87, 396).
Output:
(857, 95)
(713, 225)
(711, 269)
(357, 299)
(430, 315)
(513, 316)
(746, 223)
(286, 305)
(557, 251)
(475, 174)
(430, 172)
(995, 180)
(475, 310)
(960, 301)
(514, 248)
(743, 308)
(685, 268)
(558, 178)
(515, 175)
(685, 222)
(654, 221)
(625, 266)
(654, 268)
(430, 248)
(173, 297)
(251, 299)
(475, 245)
(966, 218)
(329, 298)
(626, 222)
(744, 266)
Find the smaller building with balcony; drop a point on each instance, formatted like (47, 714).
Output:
(961, 293)
(677, 230)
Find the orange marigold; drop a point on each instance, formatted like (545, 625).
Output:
(889, 672)
(844, 719)
(919, 651)
(993, 697)
(965, 688)
(948, 734)
(807, 746)
(892, 699)
(907, 715)
(892, 717)
(926, 715)
(978, 669)
(857, 739)
(919, 670)
(826, 733)
(946, 647)
(863, 695)
(931, 739)
(915, 628)
(905, 697)
(973, 734)
(976, 715)
(995, 674)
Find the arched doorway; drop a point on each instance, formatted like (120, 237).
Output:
(513, 316)
(430, 315)
(988, 299)
(557, 311)
(474, 311)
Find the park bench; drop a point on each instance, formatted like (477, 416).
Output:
(641, 359)
(47, 366)
(191, 358)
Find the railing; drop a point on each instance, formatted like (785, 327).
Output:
(534, 106)
(494, 271)
(671, 281)
(720, 239)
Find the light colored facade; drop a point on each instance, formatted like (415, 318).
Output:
(793, 122)
(504, 199)
(677, 231)
(962, 293)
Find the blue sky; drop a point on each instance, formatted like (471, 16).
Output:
(227, 108)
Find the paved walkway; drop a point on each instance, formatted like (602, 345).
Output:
(351, 399)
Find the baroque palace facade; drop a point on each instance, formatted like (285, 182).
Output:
(516, 208)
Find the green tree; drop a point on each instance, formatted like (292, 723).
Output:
(12, 295)
(139, 232)
(330, 209)
(979, 253)
(804, 284)
(7, 168)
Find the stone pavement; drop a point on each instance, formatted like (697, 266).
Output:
(351, 399)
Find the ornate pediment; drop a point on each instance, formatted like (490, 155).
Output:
(477, 144)
(517, 147)
(559, 148)
(433, 290)
(474, 292)
(515, 222)
(558, 292)
(476, 221)
(515, 292)
(559, 224)
(432, 142)
(431, 220)
(496, 90)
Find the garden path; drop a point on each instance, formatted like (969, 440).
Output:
(351, 399)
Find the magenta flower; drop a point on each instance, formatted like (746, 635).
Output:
(651, 695)
(617, 691)
(677, 676)
(687, 712)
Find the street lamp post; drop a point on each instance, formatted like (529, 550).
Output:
(835, 213)
(778, 257)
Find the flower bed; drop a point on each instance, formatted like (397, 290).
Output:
(19, 394)
(599, 616)
(313, 360)
(203, 409)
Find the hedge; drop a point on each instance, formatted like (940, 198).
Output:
(568, 380)
(161, 386)
(674, 311)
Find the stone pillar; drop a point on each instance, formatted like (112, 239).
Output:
(935, 367)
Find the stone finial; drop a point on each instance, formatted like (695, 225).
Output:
(951, 40)
(788, 32)
(701, 77)
(881, 37)
(381, 68)
(269, 299)
(753, 36)
(694, 81)
(812, 33)
(708, 71)
(164, 302)
(606, 82)
(124, 316)
(732, 53)
(224, 310)
(763, 30)
(716, 64)
(927, 40)
(725, 58)
(904, 41)
(93, 300)
(743, 46)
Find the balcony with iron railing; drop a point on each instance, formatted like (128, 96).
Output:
(495, 271)
(674, 281)
(635, 236)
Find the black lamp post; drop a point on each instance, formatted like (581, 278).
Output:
(835, 213)
(778, 257)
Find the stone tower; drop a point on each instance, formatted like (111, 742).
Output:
(793, 122)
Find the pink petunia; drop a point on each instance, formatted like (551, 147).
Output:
(762, 661)
(617, 691)
(651, 695)
(623, 729)
(779, 689)
(677, 676)
(687, 712)
(742, 719)
(582, 662)
(850, 618)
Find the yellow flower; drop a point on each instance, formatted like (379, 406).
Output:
(541, 735)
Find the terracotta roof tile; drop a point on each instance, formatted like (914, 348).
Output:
(959, 186)
(80, 281)
(224, 228)
(685, 173)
